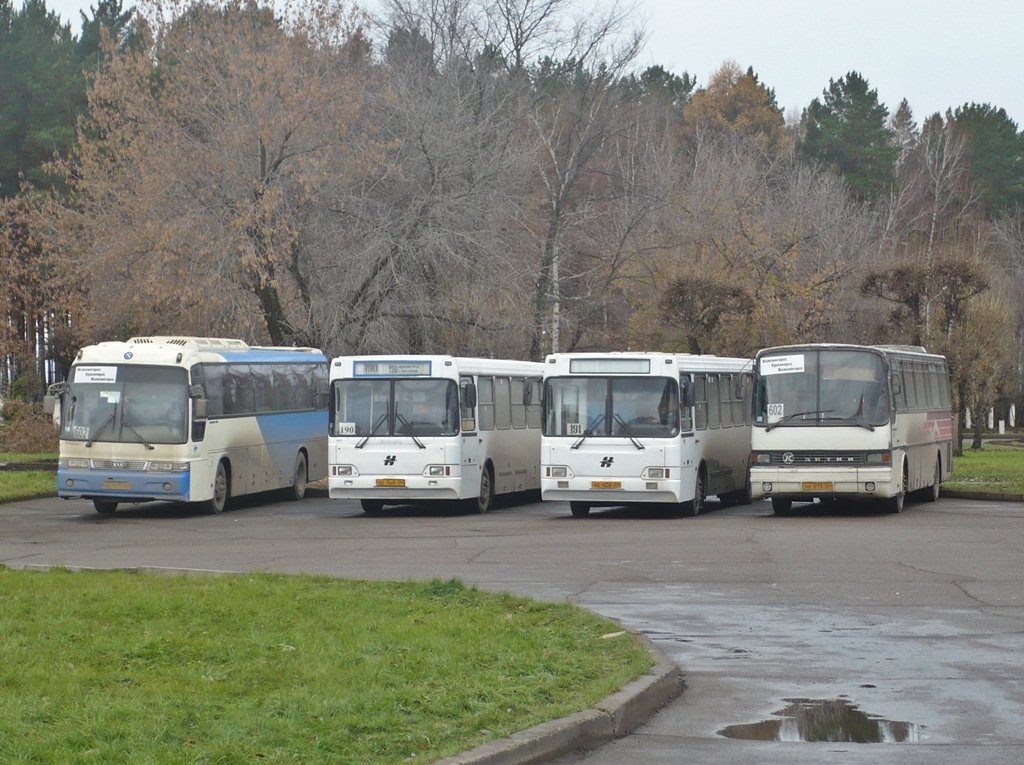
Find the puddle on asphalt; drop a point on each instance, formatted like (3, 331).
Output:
(824, 720)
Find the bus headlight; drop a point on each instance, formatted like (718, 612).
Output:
(879, 458)
(168, 467)
(74, 462)
(342, 470)
(760, 458)
(435, 470)
(658, 473)
(558, 471)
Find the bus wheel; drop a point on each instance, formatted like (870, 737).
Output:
(299, 477)
(781, 506)
(579, 509)
(699, 494)
(217, 502)
(104, 506)
(895, 504)
(371, 506)
(483, 502)
(931, 494)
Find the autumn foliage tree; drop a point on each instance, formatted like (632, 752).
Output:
(202, 169)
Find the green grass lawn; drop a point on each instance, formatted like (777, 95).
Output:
(112, 667)
(23, 484)
(995, 468)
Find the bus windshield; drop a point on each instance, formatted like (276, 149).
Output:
(611, 406)
(403, 407)
(126, 404)
(822, 387)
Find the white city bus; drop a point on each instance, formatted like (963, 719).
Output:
(190, 419)
(623, 428)
(835, 421)
(427, 428)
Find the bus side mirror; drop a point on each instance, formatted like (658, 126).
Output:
(199, 408)
(469, 395)
(49, 405)
(897, 387)
(686, 394)
(528, 392)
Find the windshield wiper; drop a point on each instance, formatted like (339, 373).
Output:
(408, 427)
(373, 429)
(851, 420)
(589, 431)
(138, 435)
(622, 424)
(98, 430)
(788, 417)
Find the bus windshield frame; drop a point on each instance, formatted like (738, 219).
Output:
(822, 387)
(121, 403)
(611, 406)
(362, 407)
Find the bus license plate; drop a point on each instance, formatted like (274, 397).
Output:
(606, 484)
(117, 485)
(391, 482)
(817, 486)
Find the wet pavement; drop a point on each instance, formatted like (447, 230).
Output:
(915, 620)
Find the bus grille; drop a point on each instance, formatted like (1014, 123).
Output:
(119, 464)
(817, 459)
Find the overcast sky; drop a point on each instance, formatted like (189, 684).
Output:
(937, 54)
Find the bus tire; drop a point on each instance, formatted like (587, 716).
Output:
(299, 477)
(895, 504)
(579, 509)
(781, 506)
(696, 505)
(104, 506)
(483, 501)
(931, 493)
(371, 506)
(221, 490)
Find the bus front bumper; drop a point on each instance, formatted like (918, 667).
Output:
(806, 484)
(123, 485)
(604, 492)
(395, 489)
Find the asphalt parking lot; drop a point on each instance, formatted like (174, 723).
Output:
(914, 619)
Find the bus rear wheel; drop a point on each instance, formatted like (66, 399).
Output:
(579, 509)
(371, 506)
(299, 477)
(104, 506)
(781, 506)
(221, 485)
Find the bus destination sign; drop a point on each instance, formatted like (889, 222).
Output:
(385, 368)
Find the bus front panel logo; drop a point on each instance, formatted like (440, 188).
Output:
(787, 458)
(390, 459)
(607, 461)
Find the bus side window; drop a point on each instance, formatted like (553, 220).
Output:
(725, 399)
(700, 401)
(485, 402)
(686, 403)
(502, 403)
(466, 407)
(533, 409)
(518, 395)
(714, 414)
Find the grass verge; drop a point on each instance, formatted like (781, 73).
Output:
(24, 484)
(994, 469)
(110, 667)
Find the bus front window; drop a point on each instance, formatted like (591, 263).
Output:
(127, 404)
(827, 387)
(611, 406)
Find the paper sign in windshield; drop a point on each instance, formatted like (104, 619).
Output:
(95, 374)
(782, 365)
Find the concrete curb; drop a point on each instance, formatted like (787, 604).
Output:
(982, 495)
(612, 717)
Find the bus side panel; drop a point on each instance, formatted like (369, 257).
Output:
(725, 452)
(514, 455)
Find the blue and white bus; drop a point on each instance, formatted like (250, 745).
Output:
(433, 428)
(190, 419)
